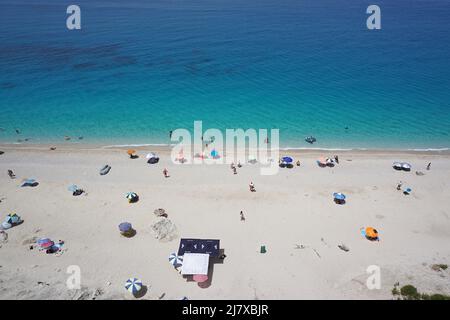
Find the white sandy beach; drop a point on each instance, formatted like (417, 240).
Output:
(291, 208)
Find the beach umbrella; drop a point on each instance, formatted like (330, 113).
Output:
(214, 153)
(322, 161)
(12, 219)
(125, 227)
(397, 165)
(152, 158)
(339, 196)
(133, 285)
(132, 196)
(371, 233)
(6, 225)
(72, 188)
(130, 152)
(406, 166)
(45, 243)
(200, 278)
(29, 183)
(407, 191)
(175, 260)
(151, 155)
(287, 159)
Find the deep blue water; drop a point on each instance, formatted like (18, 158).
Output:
(138, 69)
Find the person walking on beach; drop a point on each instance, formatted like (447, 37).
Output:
(170, 134)
(298, 163)
(336, 158)
(165, 173)
(252, 187)
(234, 170)
(399, 186)
(11, 174)
(242, 216)
(429, 166)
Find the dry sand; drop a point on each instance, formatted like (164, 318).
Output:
(291, 208)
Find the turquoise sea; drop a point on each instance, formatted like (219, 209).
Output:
(138, 69)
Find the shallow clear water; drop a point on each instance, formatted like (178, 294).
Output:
(139, 69)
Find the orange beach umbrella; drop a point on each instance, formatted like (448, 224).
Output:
(371, 232)
(131, 152)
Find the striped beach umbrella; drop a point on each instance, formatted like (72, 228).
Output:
(132, 196)
(133, 285)
(12, 218)
(175, 260)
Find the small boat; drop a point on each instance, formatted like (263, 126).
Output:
(310, 139)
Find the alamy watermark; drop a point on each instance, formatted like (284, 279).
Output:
(212, 146)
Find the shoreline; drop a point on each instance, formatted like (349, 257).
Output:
(165, 148)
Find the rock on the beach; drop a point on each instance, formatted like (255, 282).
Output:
(165, 230)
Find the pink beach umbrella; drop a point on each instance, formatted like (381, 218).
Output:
(200, 278)
(45, 243)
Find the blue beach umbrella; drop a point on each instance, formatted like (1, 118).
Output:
(73, 188)
(214, 153)
(407, 191)
(287, 159)
(12, 219)
(339, 196)
(29, 183)
(175, 260)
(125, 227)
(133, 285)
